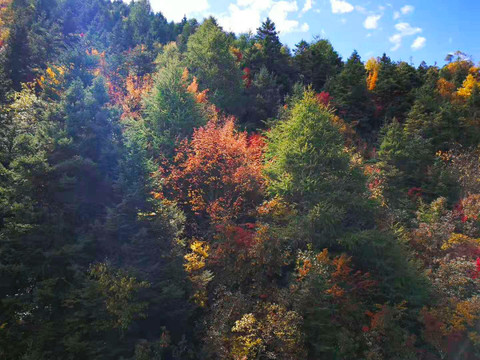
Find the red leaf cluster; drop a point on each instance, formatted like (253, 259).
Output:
(218, 174)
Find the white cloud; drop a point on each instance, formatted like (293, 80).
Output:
(279, 13)
(407, 9)
(247, 15)
(419, 43)
(307, 6)
(371, 22)
(341, 6)
(361, 9)
(404, 29)
(305, 27)
(175, 10)
(396, 40)
(257, 4)
(241, 20)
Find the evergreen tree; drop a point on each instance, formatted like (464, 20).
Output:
(307, 165)
(317, 62)
(351, 97)
(208, 57)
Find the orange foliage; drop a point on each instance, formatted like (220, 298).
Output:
(218, 173)
(128, 94)
(445, 88)
(372, 66)
(460, 65)
(193, 87)
(237, 53)
(342, 279)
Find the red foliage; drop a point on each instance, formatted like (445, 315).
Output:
(476, 272)
(378, 110)
(324, 98)
(415, 192)
(247, 78)
(218, 173)
(242, 235)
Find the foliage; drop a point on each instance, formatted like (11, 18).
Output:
(173, 191)
(216, 174)
(209, 58)
(306, 163)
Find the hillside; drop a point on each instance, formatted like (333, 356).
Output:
(174, 191)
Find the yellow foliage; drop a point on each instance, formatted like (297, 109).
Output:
(372, 66)
(200, 247)
(6, 15)
(53, 78)
(272, 327)
(246, 345)
(469, 84)
(458, 239)
(196, 259)
(475, 71)
(185, 75)
(194, 262)
(466, 314)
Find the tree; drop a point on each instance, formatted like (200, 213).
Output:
(172, 110)
(268, 52)
(217, 175)
(317, 63)
(350, 95)
(394, 89)
(208, 57)
(307, 165)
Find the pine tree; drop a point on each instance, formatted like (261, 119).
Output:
(351, 97)
(208, 57)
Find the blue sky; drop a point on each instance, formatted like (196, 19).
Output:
(411, 30)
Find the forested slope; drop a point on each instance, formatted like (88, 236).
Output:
(174, 191)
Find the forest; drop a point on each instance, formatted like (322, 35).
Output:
(175, 191)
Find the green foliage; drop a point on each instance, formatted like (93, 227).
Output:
(317, 63)
(208, 57)
(171, 111)
(351, 96)
(307, 165)
(119, 289)
(132, 228)
(395, 89)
